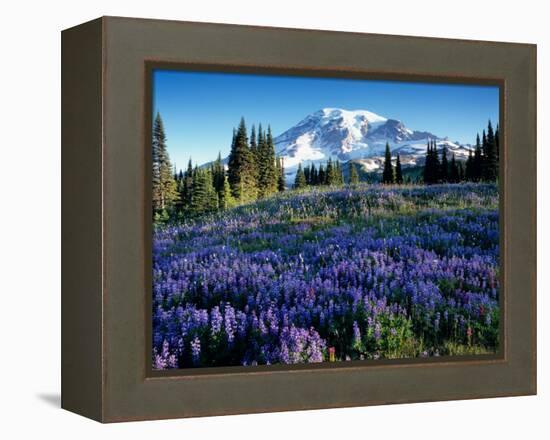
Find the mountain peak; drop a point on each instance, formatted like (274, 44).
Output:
(334, 113)
(348, 135)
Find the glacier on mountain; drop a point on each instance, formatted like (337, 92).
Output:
(357, 135)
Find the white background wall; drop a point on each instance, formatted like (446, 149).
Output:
(30, 218)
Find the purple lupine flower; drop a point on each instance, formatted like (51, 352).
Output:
(216, 321)
(377, 331)
(414, 268)
(165, 359)
(230, 323)
(196, 350)
(356, 334)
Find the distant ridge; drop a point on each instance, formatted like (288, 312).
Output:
(358, 135)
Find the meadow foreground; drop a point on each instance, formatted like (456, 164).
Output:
(362, 272)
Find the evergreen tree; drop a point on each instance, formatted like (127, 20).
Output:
(339, 174)
(307, 175)
(259, 162)
(329, 173)
(241, 171)
(205, 198)
(254, 142)
(436, 164)
(444, 167)
(469, 172)
(322, 176)
(158, 131)
(453, 174)
(178, 177)
(212, 197)
(300, 180)
(477, 164)
(267, 174)
(313, 175)
(428, 165)
(353, 176)
(497, 150)
(218, 177)
(387, 175)
(225, 198)
(281, 183)
(432, 166)
(272, 177)
(187, 185)
(481, 162)
(165, 192)
(460, 172)
(489, 156)
(278, 170)
(398, 171)
(199, 196)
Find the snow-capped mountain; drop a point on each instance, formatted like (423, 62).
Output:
(357, 135)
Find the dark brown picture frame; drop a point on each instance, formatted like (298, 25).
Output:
(106, 231)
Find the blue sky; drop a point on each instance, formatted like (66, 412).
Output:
(200, 109)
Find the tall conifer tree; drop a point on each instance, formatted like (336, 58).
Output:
(387, 174)
(339, 177)
(165, 192)
(226, 199)
(428, 164)
(477, 167)
(241, 171)
(198, 199)
(454, 174)
(205, 198)
(469, 172)
(398, 171)
(322, 176)
(218, 176)
(489, 156)
(460, 171)
(497, 150)
(281, 183)
(307, 175)
(444, 167)
(254, 142)
(329, 173)
(272, 178)
(300, 179)
(314, 176)
(353, 176)
(437, 163)
(186, 190)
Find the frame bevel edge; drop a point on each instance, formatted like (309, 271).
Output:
(82, 372)
(115, 18)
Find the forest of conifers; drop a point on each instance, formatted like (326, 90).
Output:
(253, 171)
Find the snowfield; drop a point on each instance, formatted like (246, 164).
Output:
(358, 135)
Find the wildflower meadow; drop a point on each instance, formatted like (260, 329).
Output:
(365, 271)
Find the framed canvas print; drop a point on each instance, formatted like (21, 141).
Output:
(262, 219)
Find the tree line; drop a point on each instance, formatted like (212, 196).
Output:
(253, 172)
(482, 163)
(329, 174)
(480, 166)
(442, 170)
